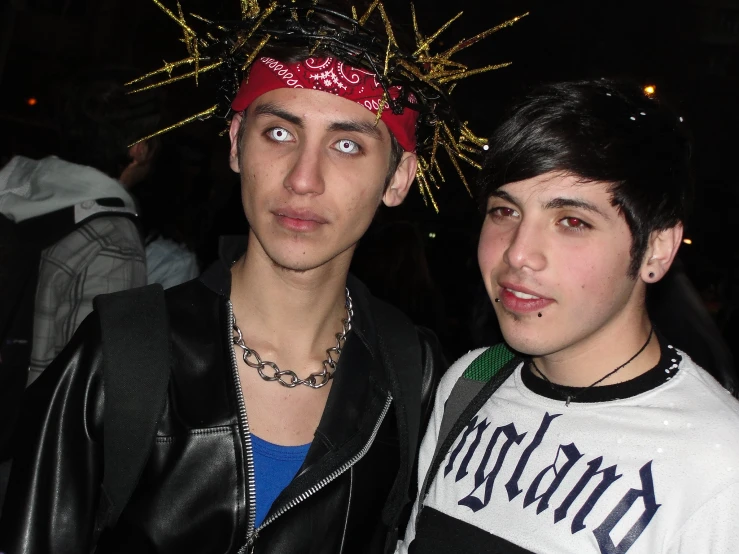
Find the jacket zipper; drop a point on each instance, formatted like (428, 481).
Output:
(245, 435)
(325, 481)
(348, 509)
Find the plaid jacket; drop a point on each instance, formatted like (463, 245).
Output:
(104, 255)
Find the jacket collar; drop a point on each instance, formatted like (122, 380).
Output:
(359, 379)
(218, 276)
(218, 279)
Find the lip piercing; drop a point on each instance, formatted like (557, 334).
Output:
(539, 314)
(497, 299)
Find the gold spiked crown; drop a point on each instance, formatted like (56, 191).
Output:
(230, 48)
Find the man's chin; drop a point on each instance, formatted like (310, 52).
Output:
(293, 255)
(298, 262)
(303, 255)
(528, 345)
(294, 266)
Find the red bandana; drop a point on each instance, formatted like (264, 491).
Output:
(332, 76)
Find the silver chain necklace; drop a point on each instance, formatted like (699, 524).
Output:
(287, 377)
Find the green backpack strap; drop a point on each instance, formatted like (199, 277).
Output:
(480, 371)
(476, 385)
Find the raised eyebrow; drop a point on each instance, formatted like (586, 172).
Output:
(557, 203)
(362, 127)
(269, 108)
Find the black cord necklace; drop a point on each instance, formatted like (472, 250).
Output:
(569, 397)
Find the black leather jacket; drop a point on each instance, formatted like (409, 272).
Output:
(196, 491)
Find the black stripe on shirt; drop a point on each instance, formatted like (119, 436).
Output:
(665, 369)
(438, 533)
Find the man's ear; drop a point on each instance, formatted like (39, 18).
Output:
(141, 152)
(661, 252)
(402, 180)
(142, 156)
(233, 133)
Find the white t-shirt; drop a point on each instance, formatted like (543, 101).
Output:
(654, 473)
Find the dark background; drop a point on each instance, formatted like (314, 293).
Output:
(687, 49)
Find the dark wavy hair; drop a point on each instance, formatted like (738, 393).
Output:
(599, 130)
(98, 120)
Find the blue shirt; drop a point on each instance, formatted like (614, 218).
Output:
(274, 468)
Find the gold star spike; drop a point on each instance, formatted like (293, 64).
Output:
(187, 30)
(469, 136)
(424, 46)
(453, 158)
(205, 114)
(272, 7)
(366, 16)
(381, 107)
(168, 67)
(435, 165)
(432, 77)
(249, 9)
(209, 22)
(388, 26)
(178, 78)
(256, 51)
(416, 30)
(477, 38)
(468, 73)
(422, 174)
(190, 38)
(435, 143)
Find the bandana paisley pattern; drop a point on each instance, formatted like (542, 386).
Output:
(332, 76)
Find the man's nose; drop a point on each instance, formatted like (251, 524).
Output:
(527, 247)
(306, 175)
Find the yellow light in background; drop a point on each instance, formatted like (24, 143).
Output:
(32, 101)
(687, 241)
(649, 90)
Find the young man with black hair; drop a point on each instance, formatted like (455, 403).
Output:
(589, 432)
(292, 413)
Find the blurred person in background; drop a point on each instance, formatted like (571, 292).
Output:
(68, 229)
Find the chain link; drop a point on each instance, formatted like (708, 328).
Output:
(287, 377)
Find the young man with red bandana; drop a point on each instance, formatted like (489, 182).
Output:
(269, 441)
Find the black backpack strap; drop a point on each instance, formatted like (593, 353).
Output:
(400, 350)
(135, 341)
(478, 383)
